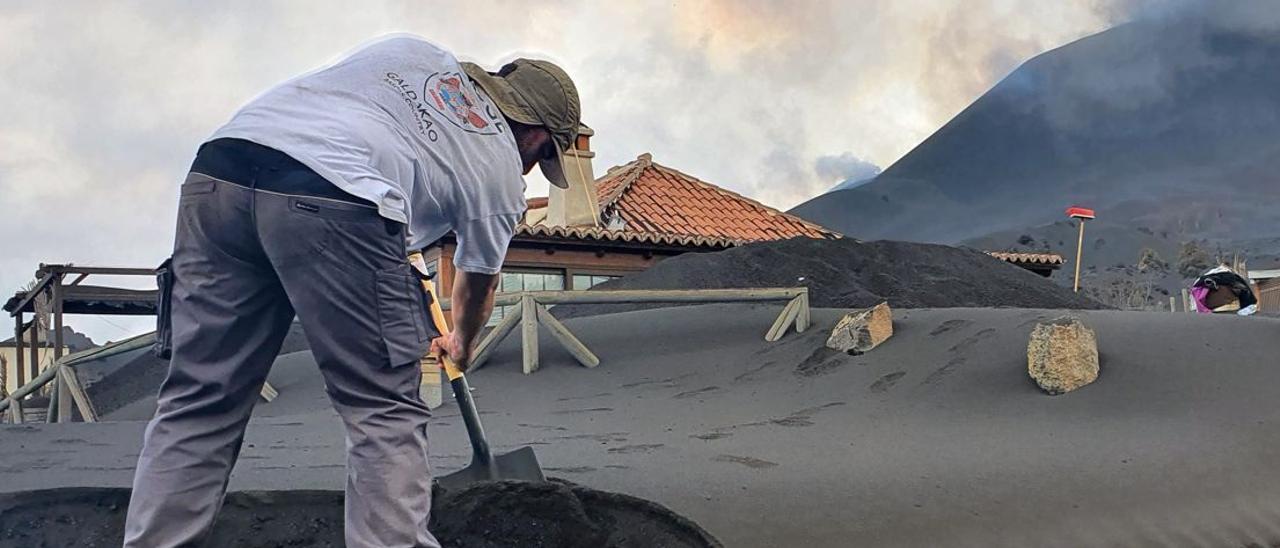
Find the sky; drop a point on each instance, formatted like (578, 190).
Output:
(103, 104)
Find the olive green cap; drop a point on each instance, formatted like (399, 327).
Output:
(536, 93)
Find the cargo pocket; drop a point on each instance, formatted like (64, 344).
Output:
(401, 315)
(163, 345)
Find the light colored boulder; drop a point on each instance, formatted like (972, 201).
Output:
(1062, 355)
(862, 330)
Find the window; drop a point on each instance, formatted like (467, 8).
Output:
(531, 280)
(587, 281)
(515, 280)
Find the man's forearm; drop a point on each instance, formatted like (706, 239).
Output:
(472, 303)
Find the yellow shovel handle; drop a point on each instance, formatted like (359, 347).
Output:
(437, 317)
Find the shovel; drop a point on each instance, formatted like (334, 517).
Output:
(521, 464)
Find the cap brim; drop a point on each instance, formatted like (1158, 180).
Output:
(553, 169)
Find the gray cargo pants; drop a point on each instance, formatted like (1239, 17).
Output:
(245, 260)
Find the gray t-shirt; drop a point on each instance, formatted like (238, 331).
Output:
(398, 123)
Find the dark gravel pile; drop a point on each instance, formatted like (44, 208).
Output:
(847, 273)
(489, 515)
(134, 375)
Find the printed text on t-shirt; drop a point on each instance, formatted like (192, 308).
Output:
(421, 112)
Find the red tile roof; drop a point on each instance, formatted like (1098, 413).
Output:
(1052, 259)
(657, 204)
(554, 232)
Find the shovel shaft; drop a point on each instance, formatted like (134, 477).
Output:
(461, 390)
(471, 418)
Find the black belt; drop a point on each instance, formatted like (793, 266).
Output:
(252, 165)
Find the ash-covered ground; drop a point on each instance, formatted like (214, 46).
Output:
(937, 437)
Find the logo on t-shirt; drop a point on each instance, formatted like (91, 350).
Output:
(453, 98)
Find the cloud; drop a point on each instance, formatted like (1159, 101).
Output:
(103, 104)
(844, 167)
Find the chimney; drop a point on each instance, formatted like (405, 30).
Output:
(578, 204)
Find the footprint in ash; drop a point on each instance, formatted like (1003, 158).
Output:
(886, 382)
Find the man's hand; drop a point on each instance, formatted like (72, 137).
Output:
(453, 347)
(472, 304)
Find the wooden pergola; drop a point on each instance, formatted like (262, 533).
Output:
(67, 295)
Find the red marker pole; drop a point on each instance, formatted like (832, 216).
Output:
(1082, 214)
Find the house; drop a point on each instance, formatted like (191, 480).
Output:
(12, 377)
(1267, 286)
(625, 221)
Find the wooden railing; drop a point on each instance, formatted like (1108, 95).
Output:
(532, 312)
(53, 281)
(68, 386)
(64, 373)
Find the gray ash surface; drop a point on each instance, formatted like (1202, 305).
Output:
(489, 515)
(847, 273)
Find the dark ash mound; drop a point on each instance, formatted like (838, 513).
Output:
(489, 515)
(847, 273)
(137, 375)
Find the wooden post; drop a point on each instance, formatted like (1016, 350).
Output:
(57, 317)
(1186, 300)
(17, 341)
(1173, 304)
(34, 329)
(495, 336)
(70, 389)
(784, 320)
(15, 412)
(529, 333)
(51, 412)
(65, 396)
(1079, 253)
(803, 319)
(575, 347)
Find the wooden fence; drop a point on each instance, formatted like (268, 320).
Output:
(529, 315)
(63, 372)
(532, 312)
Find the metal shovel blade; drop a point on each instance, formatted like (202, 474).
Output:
(521, 464)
